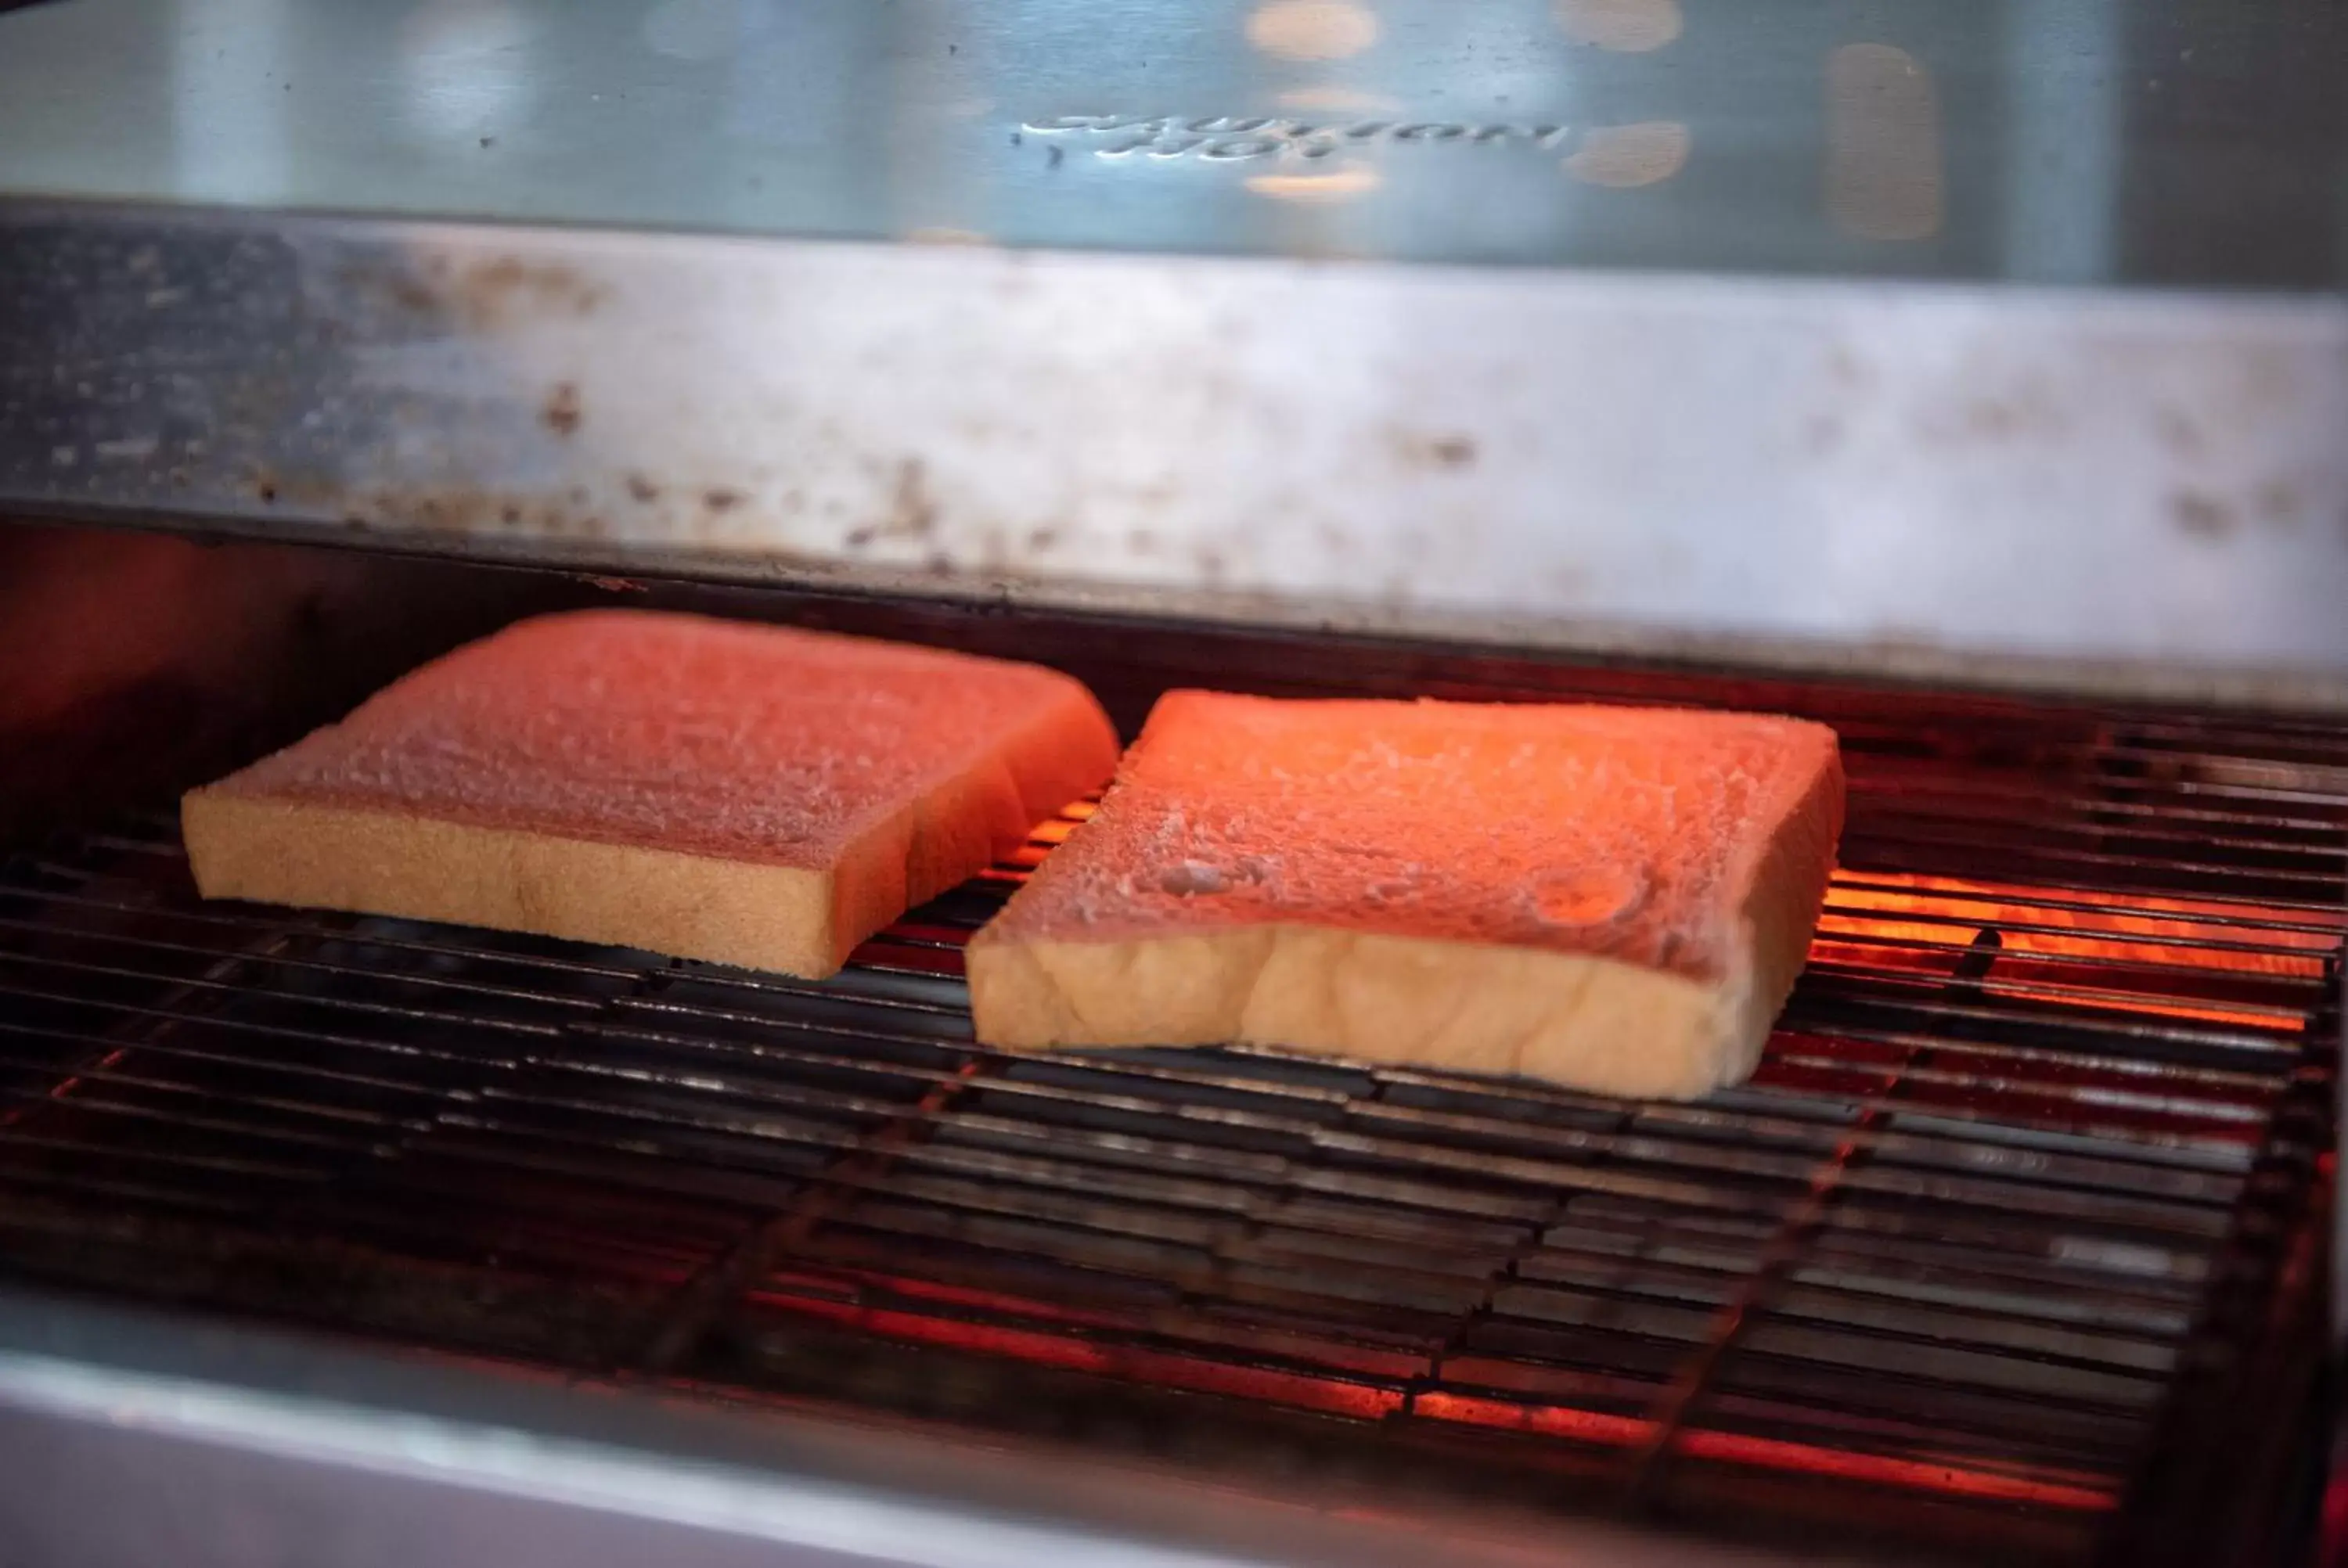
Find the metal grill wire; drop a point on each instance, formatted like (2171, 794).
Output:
(1954, 1246)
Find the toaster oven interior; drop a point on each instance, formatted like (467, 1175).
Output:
(2012, 1251)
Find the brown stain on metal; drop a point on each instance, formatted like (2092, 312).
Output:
(1993, 419)
(1043, 539)
(2278, 504)
(912, 511)
(561, 413)
(411, 295)
(1419, 449)
(391, 286)
(2179, 433)
(912, 514)
(273, 487)
(462, 510)
(642, 489)
(480, 293)
(2203, 516)
(721, 498)
(487, 293)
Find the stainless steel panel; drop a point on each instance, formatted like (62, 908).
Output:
(2137, 141)
(134, 1441)
(1877, 474)
(1672, 326)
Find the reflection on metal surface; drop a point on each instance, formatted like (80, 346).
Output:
(692, 29)
(1582, 457)
(224, 134)
(1621, 157)
(2073, 145)
(466, 67)
(1629, 26)
(1333, 185)
(1312, 29)
(1883, 166)
(1337, 100)
(2061, 148)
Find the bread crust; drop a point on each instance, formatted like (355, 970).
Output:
(754, 795)
(1617, 899)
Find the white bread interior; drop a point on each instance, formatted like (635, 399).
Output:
(321, 835)
(1377, 989)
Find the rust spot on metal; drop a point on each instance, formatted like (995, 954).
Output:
(1043, 538)
(912, 514)
(411, 295)
(561, 411)
(1992, 419)
(719, 498)
(940, 564)
(860, 537)
(2203, 516)
(642, 489)
(2278, 502)
(2179, 433)
(487, 293)
(480, 293)
(1419, 449)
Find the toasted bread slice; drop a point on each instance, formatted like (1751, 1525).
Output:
(753, 794)
(1614, 898)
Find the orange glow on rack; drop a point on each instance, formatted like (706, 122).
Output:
(1767, 1453)
(2205, 960)
(2142, 927)
(1133, 1363)
(1882, 1470)
(1174, 1370)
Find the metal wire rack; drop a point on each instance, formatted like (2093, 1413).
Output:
(1975, 1266)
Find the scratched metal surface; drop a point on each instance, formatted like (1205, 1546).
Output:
(1988, 340)
(2140, 141)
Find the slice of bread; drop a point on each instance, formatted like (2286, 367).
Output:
(709, 789)
(1613, 898)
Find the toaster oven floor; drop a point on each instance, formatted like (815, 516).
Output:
(2002, 1256)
